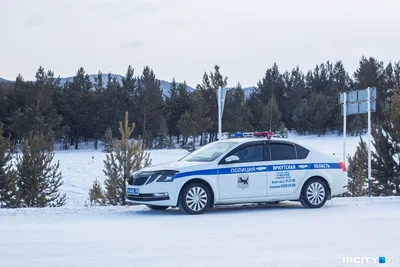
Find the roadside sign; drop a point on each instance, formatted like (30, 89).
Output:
(358, 102)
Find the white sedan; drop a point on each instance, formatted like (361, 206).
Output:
(241, 170)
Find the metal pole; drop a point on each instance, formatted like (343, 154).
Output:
(369, 140)
(344, 126)
(219, 114)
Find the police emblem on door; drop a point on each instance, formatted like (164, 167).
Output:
(243, 181)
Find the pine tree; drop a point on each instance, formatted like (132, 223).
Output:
(161, 138)
(96, 144)
(319, 113)
(108, 141)
(113, 184)
(176, 104)
(38, 179)
(96, 195)
(78, 104)
(171, 105)
(188, 127)
(236, 116)
(371, 73)
(8, 194)
(271, 116)
(386, 141)
(358, 170)
(357, 124)
(149, 97)
(294, 91)
(129, 156)
(36, 110)
(302, 116)
(271, 86)
(194, 121)
(129, 87)
(383, 164)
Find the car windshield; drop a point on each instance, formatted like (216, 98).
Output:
(209, 152)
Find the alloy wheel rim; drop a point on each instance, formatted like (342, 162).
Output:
(315, 193)
(196, 198)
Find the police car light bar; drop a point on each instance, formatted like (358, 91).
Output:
(254, 134)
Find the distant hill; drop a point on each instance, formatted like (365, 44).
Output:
(4, 80)
(165, 85)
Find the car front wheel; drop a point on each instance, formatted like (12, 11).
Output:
(195, 198)
(314, 193)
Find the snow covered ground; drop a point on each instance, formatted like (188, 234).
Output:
(254, 235)
(265, 235)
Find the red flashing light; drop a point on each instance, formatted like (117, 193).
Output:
(264, 134)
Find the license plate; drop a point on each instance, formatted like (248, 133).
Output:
(133, 191)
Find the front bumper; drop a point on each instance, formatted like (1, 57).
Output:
(162, 194)
(148, 197)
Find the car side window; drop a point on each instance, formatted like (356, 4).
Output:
(282, 151)
(302, 152)
(252, 153)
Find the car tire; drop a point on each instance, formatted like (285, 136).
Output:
(154, 207)
(314, 193)
(195, 198)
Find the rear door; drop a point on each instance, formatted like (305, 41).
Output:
(247, 176)
(287, 167)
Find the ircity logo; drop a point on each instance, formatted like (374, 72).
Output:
(371, 260)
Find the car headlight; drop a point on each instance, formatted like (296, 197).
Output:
(166, 176)
(162, 176)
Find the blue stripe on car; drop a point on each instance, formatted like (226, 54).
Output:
(261, 168)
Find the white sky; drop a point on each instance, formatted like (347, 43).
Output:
(184, 38)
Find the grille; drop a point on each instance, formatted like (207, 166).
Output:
(138, 180)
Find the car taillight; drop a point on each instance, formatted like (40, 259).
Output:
(343, 166)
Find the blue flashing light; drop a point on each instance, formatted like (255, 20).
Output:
(238, 134)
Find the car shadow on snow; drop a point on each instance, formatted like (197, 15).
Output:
(225, 209)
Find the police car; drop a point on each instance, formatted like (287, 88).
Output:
(241, 170)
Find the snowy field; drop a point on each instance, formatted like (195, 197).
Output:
(253, 235)
(284, 235)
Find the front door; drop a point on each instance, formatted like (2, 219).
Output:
(246, 175)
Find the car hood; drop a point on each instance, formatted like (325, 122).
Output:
(176, 165)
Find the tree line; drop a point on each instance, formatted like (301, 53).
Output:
(36, 114)
(81, 109)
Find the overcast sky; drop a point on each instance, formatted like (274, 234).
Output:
(184, 38)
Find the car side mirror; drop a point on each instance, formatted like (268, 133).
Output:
(232, 159)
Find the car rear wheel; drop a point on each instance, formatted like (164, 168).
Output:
(195, 198)
(314, 193)
(154, 207)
